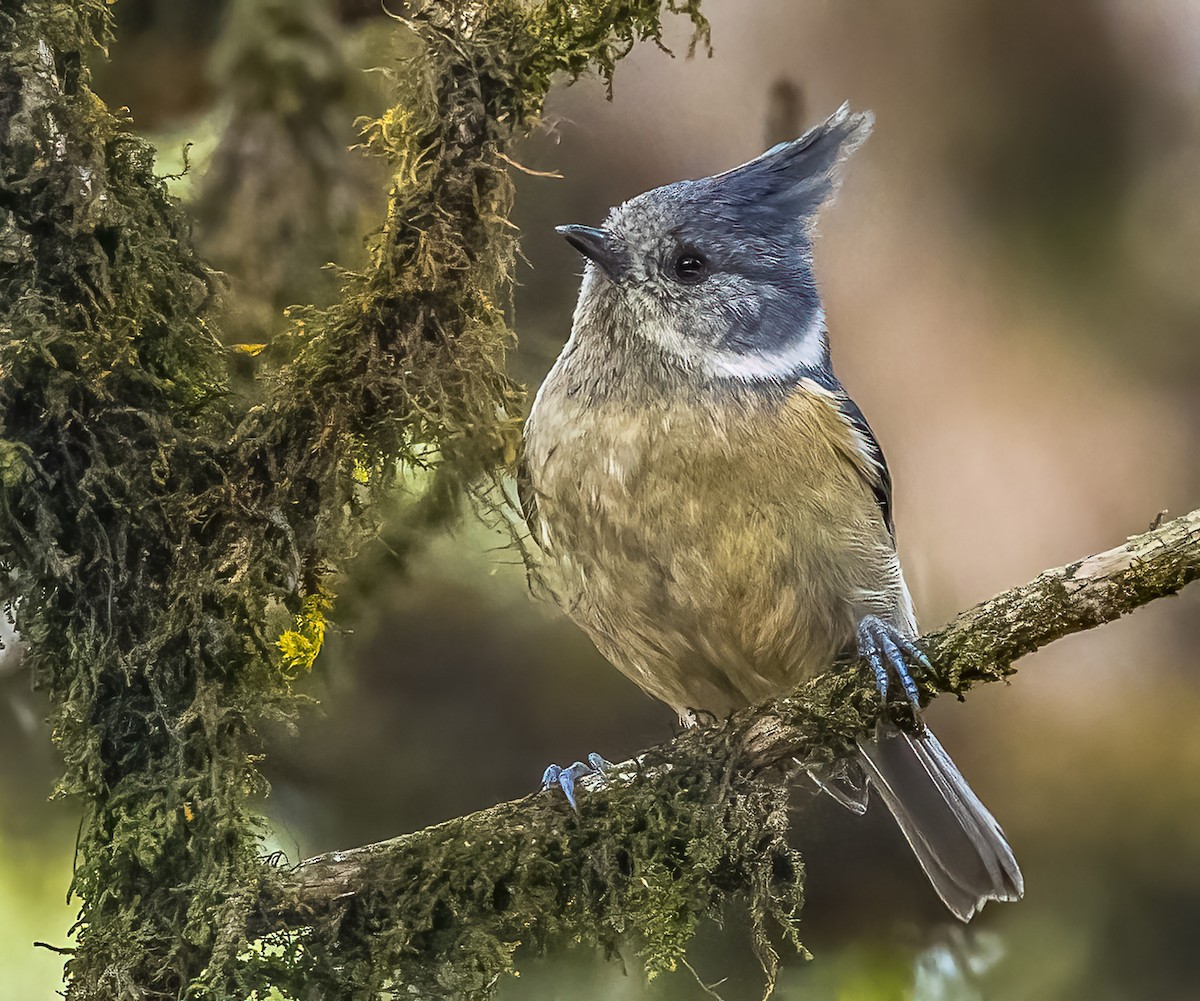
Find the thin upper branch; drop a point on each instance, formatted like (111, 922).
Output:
(817, 722)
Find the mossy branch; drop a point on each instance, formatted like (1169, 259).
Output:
(670, 833)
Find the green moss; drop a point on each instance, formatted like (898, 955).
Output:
(112, 408)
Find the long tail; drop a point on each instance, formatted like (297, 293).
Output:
(957, 841)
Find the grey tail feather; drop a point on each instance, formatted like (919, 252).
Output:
(957, 841)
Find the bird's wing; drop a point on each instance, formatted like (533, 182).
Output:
(869, 459)
(861, 446)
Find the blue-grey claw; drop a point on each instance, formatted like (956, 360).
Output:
(888, 651)
(565, 778)
(600, 763)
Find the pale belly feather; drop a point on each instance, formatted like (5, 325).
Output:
(714, 562)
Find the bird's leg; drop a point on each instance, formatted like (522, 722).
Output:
(888, 650)
(565, 778)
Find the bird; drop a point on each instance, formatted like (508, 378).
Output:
(709, 504)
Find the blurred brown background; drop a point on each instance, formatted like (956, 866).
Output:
(1012, 276)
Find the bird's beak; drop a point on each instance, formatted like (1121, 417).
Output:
(596, 245)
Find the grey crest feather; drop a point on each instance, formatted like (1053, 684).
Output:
(798, 177)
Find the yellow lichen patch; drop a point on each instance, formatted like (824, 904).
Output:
(300, 646)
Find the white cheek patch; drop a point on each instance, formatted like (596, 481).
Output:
(806, 351)
(688, 347)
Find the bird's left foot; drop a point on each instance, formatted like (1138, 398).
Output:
(565, 778)
(889, 652)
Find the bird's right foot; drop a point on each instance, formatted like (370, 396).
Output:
(889, 651)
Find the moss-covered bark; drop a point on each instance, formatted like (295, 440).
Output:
(168, 550)
(112, 408)
(441, 912)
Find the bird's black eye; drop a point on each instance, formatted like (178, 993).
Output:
(689, 267)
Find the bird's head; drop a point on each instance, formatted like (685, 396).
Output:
(716, 274)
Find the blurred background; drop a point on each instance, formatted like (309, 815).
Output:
(1012, 277)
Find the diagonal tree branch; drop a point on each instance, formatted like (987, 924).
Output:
(520, 871)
